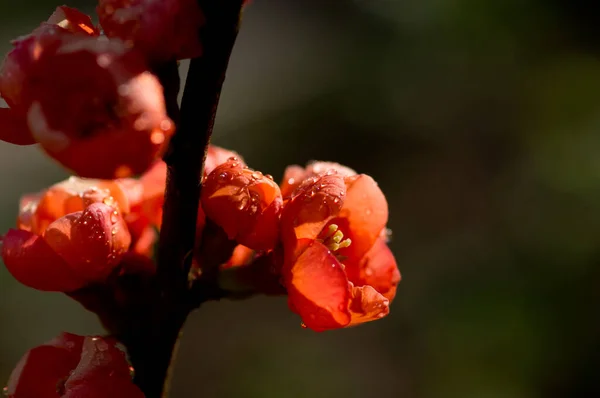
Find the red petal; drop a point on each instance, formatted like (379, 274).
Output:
(73, 20)
(216, 156)
(367, 305)
(43, 368)
(294, 175)
(163, 30)
(378, 269)
(102, 372)
(292, 178)
(33, 263)
(241, 256)
(363, 217)
(245, 203)
(13, 128)
(92, 242)
(315, 202)
(318, 289)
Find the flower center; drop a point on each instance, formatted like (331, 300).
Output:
(334, 238)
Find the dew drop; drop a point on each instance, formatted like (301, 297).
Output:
(114, 231)
(368, 272)
(166, 125)
(336, 200)
(291, 181)
(303, 325)
(131, 372)
(223, 176)
(232, 158)
(368, 212)
(103, 60)
(269, 176)
(85, 223)
(157, 138)
(256, 175)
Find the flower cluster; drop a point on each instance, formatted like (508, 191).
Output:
(90, 97)
(323, 232)
(80, 92)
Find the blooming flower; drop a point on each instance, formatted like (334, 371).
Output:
(162, 29)
(72, 366)
(69, 236)
(337, 267)
(82, 96)
(245, 203)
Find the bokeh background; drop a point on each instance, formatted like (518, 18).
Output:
(479, 119)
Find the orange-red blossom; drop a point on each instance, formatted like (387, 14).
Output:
(337, 267)
(69, 236)
(72, 366)
(90, 102)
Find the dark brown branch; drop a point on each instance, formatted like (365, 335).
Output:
(151, 343)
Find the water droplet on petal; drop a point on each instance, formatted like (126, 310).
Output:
(157, 138)
(232, 158)
(131, 372)
(368, 272)
(303, 325)
(368, 212)
(256, 175)
(223, 176)
(166, 125)
(114, 231)
(269, 176)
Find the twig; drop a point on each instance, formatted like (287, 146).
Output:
(151, 344)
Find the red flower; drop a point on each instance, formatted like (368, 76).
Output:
(294, 175)
(337, 267)
(163, 30)
(70, 236)
(245, 203)
(72, 366)
(82, 97)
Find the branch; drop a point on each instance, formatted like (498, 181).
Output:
(151, 343)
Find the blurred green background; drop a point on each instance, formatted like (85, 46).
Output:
(479, 119)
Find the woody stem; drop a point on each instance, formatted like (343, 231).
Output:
(151, 345)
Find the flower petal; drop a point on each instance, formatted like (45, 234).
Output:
(35, 264)
(316, 201)
(294, 175)
(101, 372)
(74, 194)
(163, 30)
(363, 217)
(42, 368)
(378, 269)
(92, 242)
(318, 289)
(367, 305)
(245, 203)
(73, 20)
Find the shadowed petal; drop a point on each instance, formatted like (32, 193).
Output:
(318, 289)
(35, 264)
(367, 305)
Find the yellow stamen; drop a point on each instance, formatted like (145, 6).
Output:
(334, 238)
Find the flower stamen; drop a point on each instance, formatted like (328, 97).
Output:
(333, 238)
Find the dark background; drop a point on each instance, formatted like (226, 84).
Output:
(479, 119)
